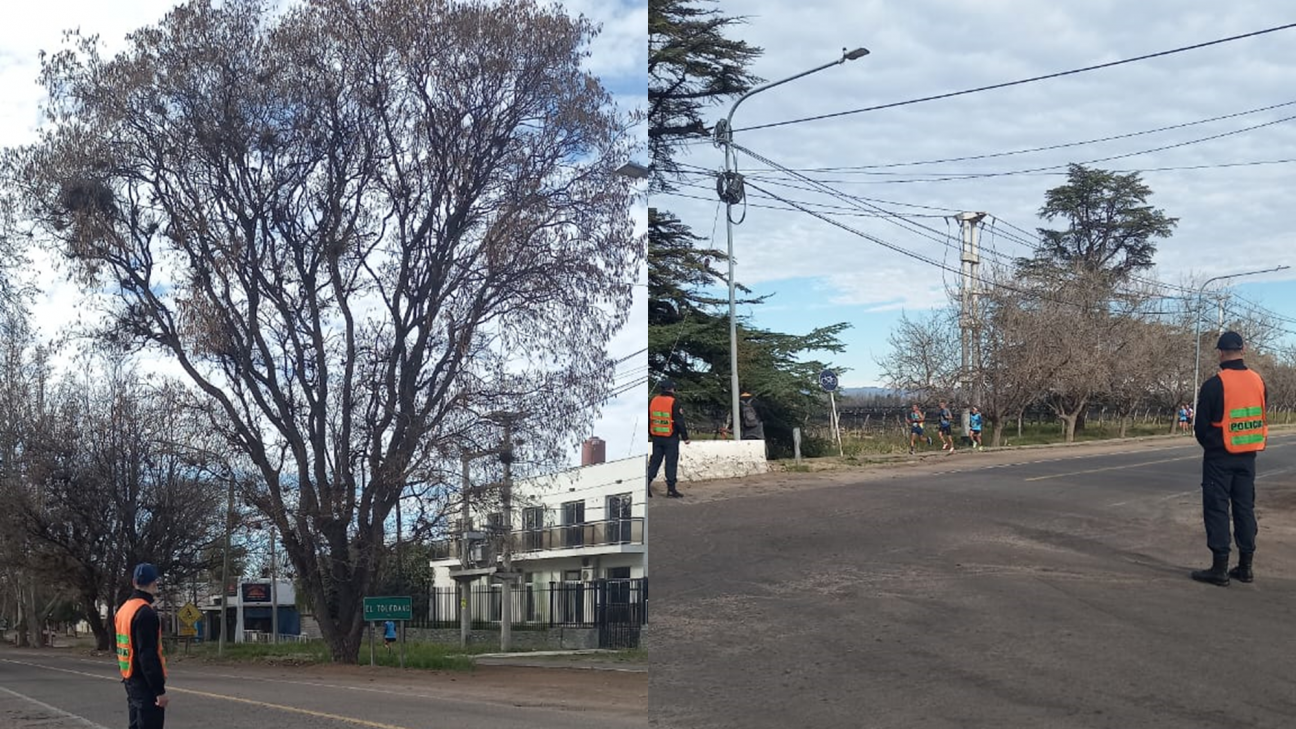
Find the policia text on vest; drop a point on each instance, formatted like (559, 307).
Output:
(1231, 426)
(666, 429)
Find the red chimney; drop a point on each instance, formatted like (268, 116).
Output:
(593, 451)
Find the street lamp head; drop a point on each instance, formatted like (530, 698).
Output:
(852, 55)
(633, 170)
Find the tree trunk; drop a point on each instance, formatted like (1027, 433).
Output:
(1069, 427)
(1020, 415)
(33, 621)
(98, 626)
(1124, 426)
(996, 432)
(341, 619)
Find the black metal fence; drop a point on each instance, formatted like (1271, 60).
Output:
(611, 604)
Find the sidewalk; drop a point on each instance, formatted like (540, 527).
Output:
(592, 660)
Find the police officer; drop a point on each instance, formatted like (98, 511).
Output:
(139, 652)
(1231, 428)
(665, 430)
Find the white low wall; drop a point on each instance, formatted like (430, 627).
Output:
(703, 460)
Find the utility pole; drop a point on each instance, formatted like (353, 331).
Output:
(465, 586)
(274, 589)
(969, 316)
(224, 588)
(506, 496)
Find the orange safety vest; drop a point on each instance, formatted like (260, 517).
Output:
(1244, 423)
(661, 419)
(125, 649)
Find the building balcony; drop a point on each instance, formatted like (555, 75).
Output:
(613, 535)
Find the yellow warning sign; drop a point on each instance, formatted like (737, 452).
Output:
(187, 631)
(189, 614)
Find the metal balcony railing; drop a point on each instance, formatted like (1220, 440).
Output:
(558, 537)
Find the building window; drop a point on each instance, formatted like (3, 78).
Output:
(533, 529)
(619, 529)
(573, 524)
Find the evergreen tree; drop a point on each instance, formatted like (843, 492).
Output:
(691, 65)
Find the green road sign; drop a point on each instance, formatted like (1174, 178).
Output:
(387, 608)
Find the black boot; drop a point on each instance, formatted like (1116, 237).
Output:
(1217, 574)
(650, 493)
(1242, 573)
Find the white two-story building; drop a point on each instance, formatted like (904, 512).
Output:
(575, 528)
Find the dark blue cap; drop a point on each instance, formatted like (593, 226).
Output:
(666, 386)
(145, 574)
(1230, 342)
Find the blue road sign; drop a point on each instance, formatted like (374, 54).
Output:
(828, 380)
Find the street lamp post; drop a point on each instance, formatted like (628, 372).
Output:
(729, 187)
(1201, 291)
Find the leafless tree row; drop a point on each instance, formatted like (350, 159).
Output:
(1069, 344)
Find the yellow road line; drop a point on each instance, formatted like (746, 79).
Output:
(253, 702)
(1113, 468)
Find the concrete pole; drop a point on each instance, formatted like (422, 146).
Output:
(968, 316)
(224, 588)
(274, 589)
(465, 587)
(506, 496)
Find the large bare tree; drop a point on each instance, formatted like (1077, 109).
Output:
(358, 227)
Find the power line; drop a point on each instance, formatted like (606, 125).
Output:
(948, 176)
(1019, 82)
(895, 217)
(1045, 148)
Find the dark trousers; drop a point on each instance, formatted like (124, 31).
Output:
(143, 708)
(1229, 481)
(666, 449)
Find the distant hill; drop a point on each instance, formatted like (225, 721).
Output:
(867, 392)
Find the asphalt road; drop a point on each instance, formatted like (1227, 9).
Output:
(54, 689)
(1034, 588)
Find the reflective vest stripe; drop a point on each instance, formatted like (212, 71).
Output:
(1245, 412)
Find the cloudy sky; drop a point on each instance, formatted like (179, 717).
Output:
(618, 57)
(1231, 193)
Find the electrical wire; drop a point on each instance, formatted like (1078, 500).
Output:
(911, 225)
(1019, 82)
(1045, 148)
(955, 176)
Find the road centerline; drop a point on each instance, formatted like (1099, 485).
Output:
(1111, 468)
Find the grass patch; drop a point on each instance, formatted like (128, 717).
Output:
(630, 655)
(428, 656)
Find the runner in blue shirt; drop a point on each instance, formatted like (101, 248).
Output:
(389, 633)
(945, 421)
(916, 420)
(974, 428)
